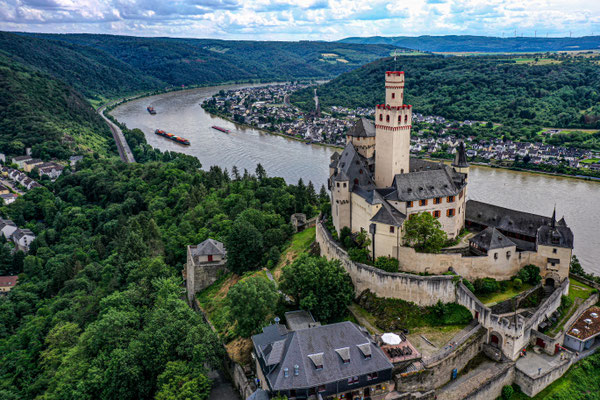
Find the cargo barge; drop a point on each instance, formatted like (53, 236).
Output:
(151, 110)
(174, 138)
(220, 129)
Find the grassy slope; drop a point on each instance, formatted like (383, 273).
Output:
(45, 114)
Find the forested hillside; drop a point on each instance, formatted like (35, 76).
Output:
(469, 43)
(45, 114)
(98, 311)
(172, 61)
(561, 93)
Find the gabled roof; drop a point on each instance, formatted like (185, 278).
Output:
(559, 236)
(505, 219)
(209, 247)
(362, 128)
(491, 238)
(427, 184)
(10, 280)
(312, 347)
(18, 234)
(389, 215)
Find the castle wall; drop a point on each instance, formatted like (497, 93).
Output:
(201, 273)
(341, 206)
(492, 388)
(532, 385)
(423, 290)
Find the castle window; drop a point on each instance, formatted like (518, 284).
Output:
(360, 172)
(460, 195)
(338, 184)
(381, 117)
(409, 204)
(406, 118)
(344, 184)
(356, 181)
(393, 95)
(450, 212)
(372, 376)
(422, 202)
(450, 199)
(391, 229)
(399, 118)
(210, 257)
(437, 200)
(554, 251)
(436, 214)
(387, 118)
(353, 380)
(507, 255)
(495, 256)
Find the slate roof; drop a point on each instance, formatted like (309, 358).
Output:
(427, 184)
(324, 339)
(416, 164)
(389, 215)
(21, 233)
(559, 236)
(504, 219)
(21, 158)
(490, 239)
(209, 247)
(362, 128)
(349, 167)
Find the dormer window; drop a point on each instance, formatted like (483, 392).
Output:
(344, 354)
(317, 360)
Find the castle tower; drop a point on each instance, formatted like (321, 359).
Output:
(393, 122)
(460, 162)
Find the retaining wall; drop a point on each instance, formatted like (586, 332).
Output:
(423, 290)
(533, 385)
(492, 388)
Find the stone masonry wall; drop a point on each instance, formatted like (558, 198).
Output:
(423, 290)
(492, 389)
(533, 385)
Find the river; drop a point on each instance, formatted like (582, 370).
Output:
(180, 113)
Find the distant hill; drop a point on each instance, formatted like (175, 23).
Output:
(47, 115)
(464, 43)
(555, 92)
(169, 61)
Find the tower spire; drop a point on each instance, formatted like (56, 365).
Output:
(553, 223)
(460, 159)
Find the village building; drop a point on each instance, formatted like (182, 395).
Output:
(585, 331)
(323, 361)
(4, 190)
(29, 165)
(8, 198)
(50, 169)
(7, 283)
(205, 262)
(23, 238)
(20, 160)
(7, 228)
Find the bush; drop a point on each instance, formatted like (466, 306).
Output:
(469, 285)
(359, 255)
(486, 285)
(517, 283)
(530, 274)
(507, 392)
(388, 264)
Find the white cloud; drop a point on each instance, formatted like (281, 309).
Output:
(302, 19)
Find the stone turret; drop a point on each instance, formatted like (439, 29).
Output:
(460, 162)
(393, 122)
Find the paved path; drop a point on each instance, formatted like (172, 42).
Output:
(465, 384)
(124, 150)
(222, 388)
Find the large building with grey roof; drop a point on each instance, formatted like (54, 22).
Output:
(376, 187)
(327, 361)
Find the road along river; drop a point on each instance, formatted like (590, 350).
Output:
(180, 113)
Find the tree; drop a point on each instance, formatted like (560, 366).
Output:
(244, 245)
(424, 233)
(251, 301)
(180, 382)
(319, 286)
(530, 274)
(260, 172)
(507, 391)
(388, 264)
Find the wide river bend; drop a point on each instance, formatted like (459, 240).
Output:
(180, 113)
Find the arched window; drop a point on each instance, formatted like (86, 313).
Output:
(381, 117)
(399, 118)
(387, 118)
(356, 181)
(406, 118)
(393, 95)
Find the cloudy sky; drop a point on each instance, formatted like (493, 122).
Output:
(303, 19)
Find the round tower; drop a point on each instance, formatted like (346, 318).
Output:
(393, 122)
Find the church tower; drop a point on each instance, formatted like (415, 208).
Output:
(393, 122)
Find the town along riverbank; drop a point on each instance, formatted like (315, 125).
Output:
(244, 147)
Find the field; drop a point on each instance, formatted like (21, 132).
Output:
(537, 61)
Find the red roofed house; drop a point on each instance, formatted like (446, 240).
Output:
(7, 283)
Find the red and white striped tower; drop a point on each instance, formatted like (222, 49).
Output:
(393, 121)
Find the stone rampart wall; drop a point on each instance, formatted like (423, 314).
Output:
(492, 388)
(423, 290)
(533, 385)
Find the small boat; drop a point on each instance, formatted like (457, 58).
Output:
(174, 138)
(151, 110)
(220, 129)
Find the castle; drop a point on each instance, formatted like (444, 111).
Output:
(376, 186)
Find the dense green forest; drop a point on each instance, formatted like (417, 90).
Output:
(497, 89)
(469, 43)
(47, 115)
(110, 65)
(98, 311)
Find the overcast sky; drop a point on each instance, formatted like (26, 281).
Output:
(303, 19)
